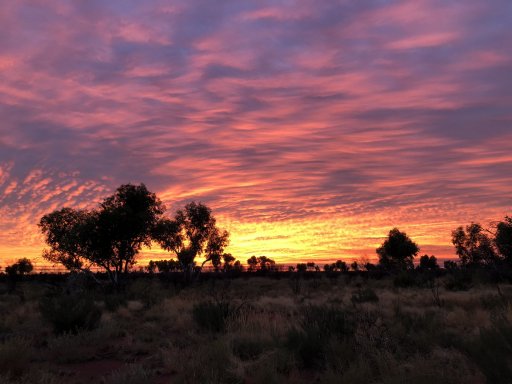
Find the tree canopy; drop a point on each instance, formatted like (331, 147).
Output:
(398, 251)
(108, 237)
(192, 233)
(503, 238)
(473, 246)
(20, 268)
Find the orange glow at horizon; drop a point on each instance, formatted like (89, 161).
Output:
(310, 128)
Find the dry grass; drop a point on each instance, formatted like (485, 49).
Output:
(402, 337)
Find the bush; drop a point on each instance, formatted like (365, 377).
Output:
(319, 325)
(68, 348)
(492, 351)
(114, 300)
(459, 280)
(214, 315)
(404, 280)
(149, 293)
(247, 348)
(133, 374)
(14, 357)
(366, 295)
(70, 313)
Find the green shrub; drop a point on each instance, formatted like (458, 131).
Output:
(70, 313)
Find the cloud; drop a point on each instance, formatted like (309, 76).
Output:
(309, 128)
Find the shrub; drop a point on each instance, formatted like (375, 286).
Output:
(70, 313)
(132, 374)
(14, 357)
(150, 293)
(319, 325)
(492, 351)
(459, 280)
(68, 348)
(366, 295)
(214, 315)
(404, 280)
(114, 300)
(247, 348)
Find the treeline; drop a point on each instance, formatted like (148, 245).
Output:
(110, 237)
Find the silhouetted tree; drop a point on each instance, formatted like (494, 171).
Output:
(228, 260)
(163, 266)
(192, 233)
(397, 252)
(151, 267)
(21, 267)
(503, 238)
(238, 267)
(252, 262)
(473, 246)
(16, 272)
(354, 266)
(311, 266)
(428, 263)
(261, 263)
(450, 265)
(370, 267)
(266, 264)
(109, 237)
(341, 266)
(302, 267)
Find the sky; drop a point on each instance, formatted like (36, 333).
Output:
(311, 128)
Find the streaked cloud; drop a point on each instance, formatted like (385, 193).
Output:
(310, 128)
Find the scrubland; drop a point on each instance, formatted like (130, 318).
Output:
(288, 329)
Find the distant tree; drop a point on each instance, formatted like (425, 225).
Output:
(302, 267)
(16, 272)
(473, 246)
(21, 267)
(225, 264)
(428, 263)
(109, 237)
(261, 263)
(266, 264)
(192, 233)
(370, 266)
(503, 238)
(450, 265)
(151, 267)
(252, 262)
(311, 266)
(163, 266)
(238, 267)
(341, 266)
(354, 266)
(291, 268)
(397, 252)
